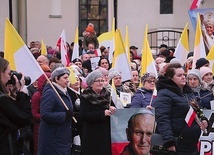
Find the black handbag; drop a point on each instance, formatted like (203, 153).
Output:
(157, 147)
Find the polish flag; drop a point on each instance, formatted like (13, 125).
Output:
(190, 116)
(195, 4)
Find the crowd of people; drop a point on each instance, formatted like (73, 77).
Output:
(74, 118)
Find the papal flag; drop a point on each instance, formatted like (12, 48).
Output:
(75, 53)
(182, 48)
(121, 62)
(18, 54)
(107, 40)
(43, 48)
(199, 49)
(127, 44)
(210, 57)
(115, 98)
(147, 61)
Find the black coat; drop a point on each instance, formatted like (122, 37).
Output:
(171, 107)
(96, 130)
(14, 114)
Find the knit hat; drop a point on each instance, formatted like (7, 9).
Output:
(93, 76)
(205, 70)
(146, 76)
(90, 28)
(201, 62)
(195, 72)
(112, 73)
(103, 70)
(59, 71)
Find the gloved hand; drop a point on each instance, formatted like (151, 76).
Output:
(69, 114)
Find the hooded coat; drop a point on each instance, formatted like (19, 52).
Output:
(171, 107)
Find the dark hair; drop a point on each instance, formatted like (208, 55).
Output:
(3, 67)
(54, 59)
(99, 62)
(3, 64)
(170, 70)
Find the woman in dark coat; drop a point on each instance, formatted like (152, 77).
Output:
(171, 107)
(15, 111)
(35, 101)
(55, 127)
(144, 96)
(95, 111)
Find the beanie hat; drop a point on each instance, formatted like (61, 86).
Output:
(201, 62)
(59, 71)
(93, 76)
(146, 76)
(90, 28)
(112, 73)
(205, 70)
(103, 70)
(195, 72)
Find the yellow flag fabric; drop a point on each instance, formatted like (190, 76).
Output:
(75, 53)
(147, 61)
(43, 48)
(72, 76)
(107, 40)
(182, 48)
(210, 57)
(18, 54)
(199, 49)
(120, 62)
(127, 44)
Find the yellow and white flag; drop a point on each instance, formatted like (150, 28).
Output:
(43, 48)
(75, 53)
(147, 61)
(115, 98)
(199, 49)
(210, 57)
(107, 40)
(18, 54)
(182, 48)
(127, 44)
(121, 62)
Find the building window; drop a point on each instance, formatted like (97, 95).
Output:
(95, 12)
(166, 6)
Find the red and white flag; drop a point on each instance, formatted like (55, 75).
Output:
(191, 114)
(195, 4)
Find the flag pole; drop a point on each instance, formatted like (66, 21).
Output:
(66, 107)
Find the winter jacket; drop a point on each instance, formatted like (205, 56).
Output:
(55, 129)
(96, 130)
(14, 114)
(141, 98)
(171, 107)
